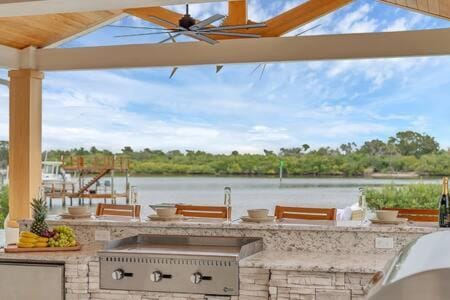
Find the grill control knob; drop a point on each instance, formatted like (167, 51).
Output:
(118, 274)
(156, 276)
(196, 278)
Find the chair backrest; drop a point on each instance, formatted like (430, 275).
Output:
(305, 213)
(200, 211)
(417, 215)
(118, 210)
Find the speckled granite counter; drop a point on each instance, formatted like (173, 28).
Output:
(346, 237)
(316, 261)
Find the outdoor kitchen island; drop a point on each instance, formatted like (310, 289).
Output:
(312, 262)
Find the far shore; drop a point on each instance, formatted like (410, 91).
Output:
(408, 175)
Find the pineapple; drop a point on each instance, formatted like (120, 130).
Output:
(39, 206)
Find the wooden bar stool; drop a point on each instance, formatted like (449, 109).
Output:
(417, 215)
(305, 213)
(200, 211)
(118, 210)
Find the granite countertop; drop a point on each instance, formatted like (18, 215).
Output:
(87, 253)
(317, 261)
(350, 226)
(266, 259)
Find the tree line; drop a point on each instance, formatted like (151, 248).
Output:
(407, 151)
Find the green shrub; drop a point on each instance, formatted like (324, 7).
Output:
(4, 205)
(406, 196)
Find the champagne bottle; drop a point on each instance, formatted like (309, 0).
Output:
(444, 209)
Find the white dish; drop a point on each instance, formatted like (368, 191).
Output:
(387, 215)
(258, 213)
(166, 212)
(392, 222)
(77, 211)
(171, 218)
(258, 220)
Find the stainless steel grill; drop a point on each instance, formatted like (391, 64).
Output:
(201, 265)
(421, 271)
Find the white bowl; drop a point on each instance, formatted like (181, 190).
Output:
(77, 210)
(387, 215)
(166, 212)
(258, 213)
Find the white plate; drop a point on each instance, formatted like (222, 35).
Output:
(393, 222)
(258, 220)
(158, 218)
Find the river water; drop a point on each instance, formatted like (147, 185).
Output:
(248, 192)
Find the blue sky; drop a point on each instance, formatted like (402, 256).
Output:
(319, 103)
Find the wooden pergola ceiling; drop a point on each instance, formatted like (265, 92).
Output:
(42, 31)
(437, 8)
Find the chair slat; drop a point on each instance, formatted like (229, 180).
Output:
(118, 210)
(199, 211)
(417, 215)
(305, 213)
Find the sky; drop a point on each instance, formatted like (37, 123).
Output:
(324, 103)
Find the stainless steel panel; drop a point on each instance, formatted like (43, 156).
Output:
(176, 270)
(19, 281)
(420, 271)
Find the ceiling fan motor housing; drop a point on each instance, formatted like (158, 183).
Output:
(187, 21)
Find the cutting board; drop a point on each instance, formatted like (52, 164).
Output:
(15, 249)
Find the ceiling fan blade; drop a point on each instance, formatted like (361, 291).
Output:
(200, 36)
(139, 27)
(164, 21)
(170, 38)
(174, 70)
(207, 21)
(262, 72)
(232, 27)
(4, 82)
(138, 34)
(257, 67)
(306, 30)
(218, 68)
(248, 35)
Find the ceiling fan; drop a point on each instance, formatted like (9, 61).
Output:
(201, 30)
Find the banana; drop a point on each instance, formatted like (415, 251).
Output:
(40, 245)
(28, 234)
(25, 245)
(42, 239)
(27, 240)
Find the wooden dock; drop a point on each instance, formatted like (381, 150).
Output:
(89, 174)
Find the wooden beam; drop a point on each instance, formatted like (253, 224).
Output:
(19, 8)
(237, 12)
(85, 31)
(301, 15)
(25, 123)
(9, 57)
(303, 48)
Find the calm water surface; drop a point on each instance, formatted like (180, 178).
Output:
(250, 192)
